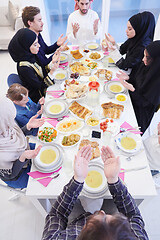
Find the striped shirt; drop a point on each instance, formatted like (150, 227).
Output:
(56, 226)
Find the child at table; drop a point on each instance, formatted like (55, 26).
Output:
(25, 107)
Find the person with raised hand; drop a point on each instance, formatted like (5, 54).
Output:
(15, 152)
(23, 49)
(32, 19)
(144, 85)
(140, 32)
(83, 24)
(126, 225)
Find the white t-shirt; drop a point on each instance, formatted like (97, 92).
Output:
(85, 33)
(152, 148)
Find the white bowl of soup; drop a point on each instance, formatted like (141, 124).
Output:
(95, 181)
(121, 98)
(60, 75)
(55, 107)
(115, 87)
(47, 157)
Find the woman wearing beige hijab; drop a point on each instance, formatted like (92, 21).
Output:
(15, 153)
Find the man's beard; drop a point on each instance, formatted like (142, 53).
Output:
(86, 11)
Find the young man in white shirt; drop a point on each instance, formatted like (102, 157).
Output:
(83, 24)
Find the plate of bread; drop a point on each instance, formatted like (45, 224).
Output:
(75, 92)
(103, 74)
(76, 54)
(80, 68)
(112, 110)
(95, 148)
(79, 110)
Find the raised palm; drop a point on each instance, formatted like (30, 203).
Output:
(81, 163)
(111, 164)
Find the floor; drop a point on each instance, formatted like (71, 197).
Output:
(20, 220)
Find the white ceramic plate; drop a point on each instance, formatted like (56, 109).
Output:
(69, 135)
(74, 115)
(42, 165)
(101, 55)
(99, 168)
(78, 58)
(46, 124)
(69, 129)
(51, 169)
(135, 137)
(92, 46)
(118, 84)
(113, 127)
(63, 83)
(113, 101)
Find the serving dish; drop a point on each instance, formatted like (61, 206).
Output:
(69, 125)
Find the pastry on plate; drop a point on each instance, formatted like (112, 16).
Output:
(112, 110)
(104, 74)
(94, 146)
(79, 110)
(80, 68)
(76, 91)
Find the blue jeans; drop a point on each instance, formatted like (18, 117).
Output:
(22, 181)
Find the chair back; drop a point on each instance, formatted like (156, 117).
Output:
(13, 78)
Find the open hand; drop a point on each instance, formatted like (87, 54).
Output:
(95, 26)
(110, 39)
(63, 46)
(41, 101)
(35, 122)
(75, 27)
(111, 164)
(123, 77)
(81, 162)
(29, 154)
(61, 40)
(56, 55)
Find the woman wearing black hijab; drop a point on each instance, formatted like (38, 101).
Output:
(145, 92)
(23, 49)
(140, 32)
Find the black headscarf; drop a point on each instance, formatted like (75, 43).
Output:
(19, 46)
(148, 77)
(144, 26)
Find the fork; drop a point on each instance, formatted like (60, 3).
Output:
(53, 175)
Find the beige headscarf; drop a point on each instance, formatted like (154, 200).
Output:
(12, 140)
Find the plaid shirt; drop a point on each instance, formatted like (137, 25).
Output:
(56, 221)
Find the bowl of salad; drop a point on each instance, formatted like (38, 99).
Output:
(47, 134)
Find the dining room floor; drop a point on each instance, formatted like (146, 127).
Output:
(19, 219)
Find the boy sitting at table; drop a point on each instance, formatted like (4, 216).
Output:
(126, 225)
(25, 107)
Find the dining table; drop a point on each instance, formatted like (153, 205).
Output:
(135, 171)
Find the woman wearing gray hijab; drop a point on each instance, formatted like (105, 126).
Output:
(15, 153)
